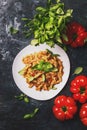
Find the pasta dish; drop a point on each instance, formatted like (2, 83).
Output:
(43, 70)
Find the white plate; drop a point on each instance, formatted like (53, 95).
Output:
(21, 82)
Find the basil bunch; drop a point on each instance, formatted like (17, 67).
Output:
(48, 23)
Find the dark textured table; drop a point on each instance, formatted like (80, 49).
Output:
(12, 110)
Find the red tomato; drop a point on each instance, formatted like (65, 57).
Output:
(76, 35)
(64, 107)
(83, 114)
(78, 87)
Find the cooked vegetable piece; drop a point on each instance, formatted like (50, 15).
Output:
(21, 72)
(43, 77)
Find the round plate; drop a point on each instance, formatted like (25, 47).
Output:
(21, 82)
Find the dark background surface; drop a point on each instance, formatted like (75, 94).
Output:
(12, 110)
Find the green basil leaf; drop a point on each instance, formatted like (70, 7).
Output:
(65, 37)
(34, 42)
(78, 70)
(49, 25)
(24, 19)
(40, 9)
(26, 99)
(51, 14)
(36, 34)
(31, 115)
(42, 39)
(13, 30)
(22, 97)
(64, 48)
(60, 11)
(59, 39)
(27, 116)
(53, 8)
(50, 33)
(68, 12)
(52, 53)
(60, 21)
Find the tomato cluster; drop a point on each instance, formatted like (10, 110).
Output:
(76, 35)
(65, 107)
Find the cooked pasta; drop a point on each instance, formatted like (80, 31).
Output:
(42, 69)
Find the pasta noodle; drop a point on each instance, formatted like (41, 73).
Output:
(42, 70)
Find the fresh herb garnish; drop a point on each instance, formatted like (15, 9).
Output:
(26, 99)
(24, 19)
(13, 30)
(31, 115)
(22, 97)
(44, 66)
(52, 53)
(48, 23)
(78, 70)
